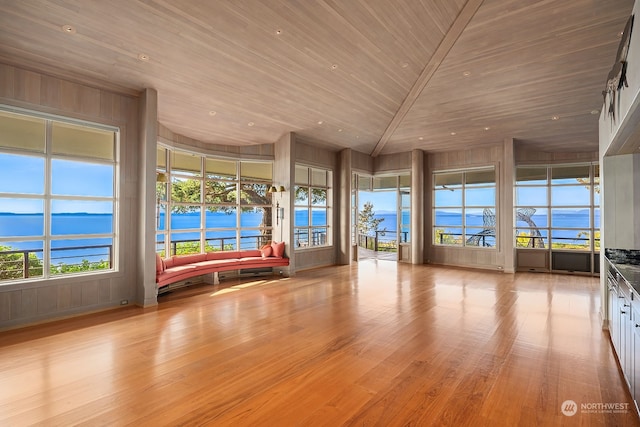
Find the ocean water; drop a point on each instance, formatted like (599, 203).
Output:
(23, 225)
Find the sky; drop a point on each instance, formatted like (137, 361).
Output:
(383, 201)
(69, 178)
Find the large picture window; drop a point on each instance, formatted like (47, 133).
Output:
(464, 208)
(57, 196)
(312, 220)
(208, 204)
(558, 207)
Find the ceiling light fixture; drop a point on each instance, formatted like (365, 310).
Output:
(320, 122)
(555, 118)
(404, 65)
(212, 113)
(334, 66)
(453, 133)
(250, 124)
(143, 57)
(487, 128)
(420, 138)
(594, 112)
(339, 130)
(68, 29)
(466, 73)
(278, 32)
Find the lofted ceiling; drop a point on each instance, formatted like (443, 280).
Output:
(378, 76)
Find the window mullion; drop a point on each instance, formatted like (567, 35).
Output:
(203, 211)
(46, 249)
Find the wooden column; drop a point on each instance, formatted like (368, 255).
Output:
(146, 292)
(284, 168)
(505, 226)
(344, 237)
(417, 207)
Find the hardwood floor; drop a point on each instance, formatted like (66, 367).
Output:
(377, 343)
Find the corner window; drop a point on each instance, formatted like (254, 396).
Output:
(558, 207)
(57, 196)
(464, 208)
(206, 204)
(312, 220)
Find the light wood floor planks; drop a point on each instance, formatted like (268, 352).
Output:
(377, 343)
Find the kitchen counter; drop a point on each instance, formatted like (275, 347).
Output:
(631, 273)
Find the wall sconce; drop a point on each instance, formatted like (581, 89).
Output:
(278, 189)
(279, 210)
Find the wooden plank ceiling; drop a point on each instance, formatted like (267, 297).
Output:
(377, 76)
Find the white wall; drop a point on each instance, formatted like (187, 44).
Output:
(621, 197)
(620, 172)
(615, 134)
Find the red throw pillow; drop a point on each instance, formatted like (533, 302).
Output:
(159, 264)
(278, 249)
(266, 251)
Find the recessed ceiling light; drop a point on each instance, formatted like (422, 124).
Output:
(594, 112)
(320, 122)
(404, 64)
(212, 113)
(453, 133)
(487, 128)
(334, 66)
(620, 33)
(278, 32)
(339, 130)
(68, 29)
(466, 73)
(555, 117)
(250, 124)
(420, 138)
(143, 57)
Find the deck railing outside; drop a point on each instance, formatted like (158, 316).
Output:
(90, 257)
(384, 240)
(216, 244)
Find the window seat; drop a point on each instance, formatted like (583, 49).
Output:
(181, 267)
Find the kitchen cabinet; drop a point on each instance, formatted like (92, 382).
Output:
(635, 372)
(624, 326)
(625, 354)
(614, 309)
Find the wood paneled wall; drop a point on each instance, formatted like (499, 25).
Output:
(525, 156)
(27, 303)
(361, 162)
(397, 162)
(174, 140)
(314, 155)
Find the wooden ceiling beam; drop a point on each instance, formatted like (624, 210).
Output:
(449, 39)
